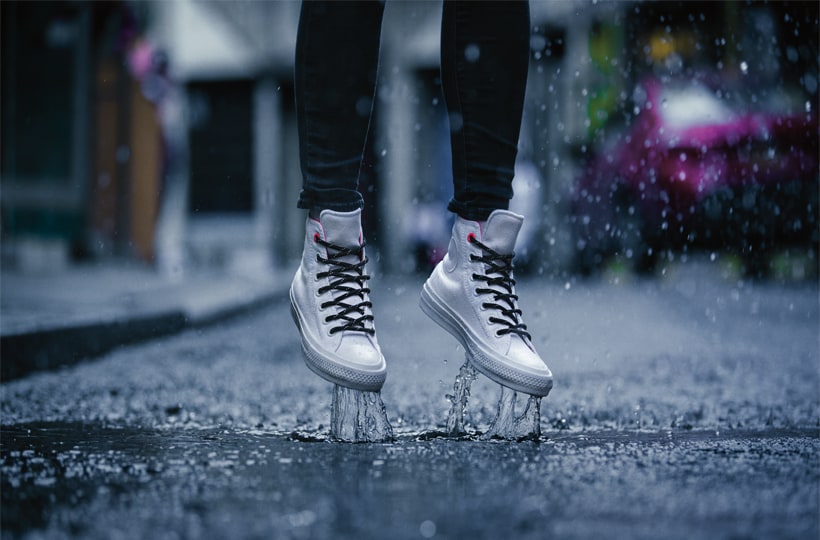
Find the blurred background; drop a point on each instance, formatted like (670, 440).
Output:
(163, 134)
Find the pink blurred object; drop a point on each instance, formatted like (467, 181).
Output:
(691, 164)
(140, 59)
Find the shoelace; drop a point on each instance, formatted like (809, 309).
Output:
(500, 267)
(349, 279)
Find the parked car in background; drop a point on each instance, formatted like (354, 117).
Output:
(697, 170)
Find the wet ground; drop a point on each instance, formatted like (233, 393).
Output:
(687, 406)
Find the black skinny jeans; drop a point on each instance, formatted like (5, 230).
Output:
(484, 60)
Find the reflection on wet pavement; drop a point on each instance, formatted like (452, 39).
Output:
(97, 480)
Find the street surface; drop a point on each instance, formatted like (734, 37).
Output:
(686, 406)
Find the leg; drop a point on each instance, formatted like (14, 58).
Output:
(337, 51)
(471, 292)
(484, 60)
(336, 57)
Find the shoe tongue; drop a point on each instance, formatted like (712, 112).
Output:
(501, 230)
(343, 229)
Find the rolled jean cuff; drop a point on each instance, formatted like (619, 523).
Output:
(340, 200)
(477, 212)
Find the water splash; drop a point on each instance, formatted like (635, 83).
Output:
(507, 425)
(458, 399)
(357, 416)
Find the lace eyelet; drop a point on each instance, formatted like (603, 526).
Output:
(316, 237)
(470, 238)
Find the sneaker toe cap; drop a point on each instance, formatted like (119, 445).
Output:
(522, 354)
(361, 352)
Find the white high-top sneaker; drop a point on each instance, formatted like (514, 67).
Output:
(471, 294)
(330, 303)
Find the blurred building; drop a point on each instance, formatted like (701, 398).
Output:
(146, 131)
(165, 131)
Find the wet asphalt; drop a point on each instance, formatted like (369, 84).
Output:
(686, 406)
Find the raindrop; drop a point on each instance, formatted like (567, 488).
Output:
(810, 83)
(456, 122)
(472, 53)
(427, 529)
(363, 106)
(123, 154)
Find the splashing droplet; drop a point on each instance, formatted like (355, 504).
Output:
(357, 416)
(507, 425)
(461, 395)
